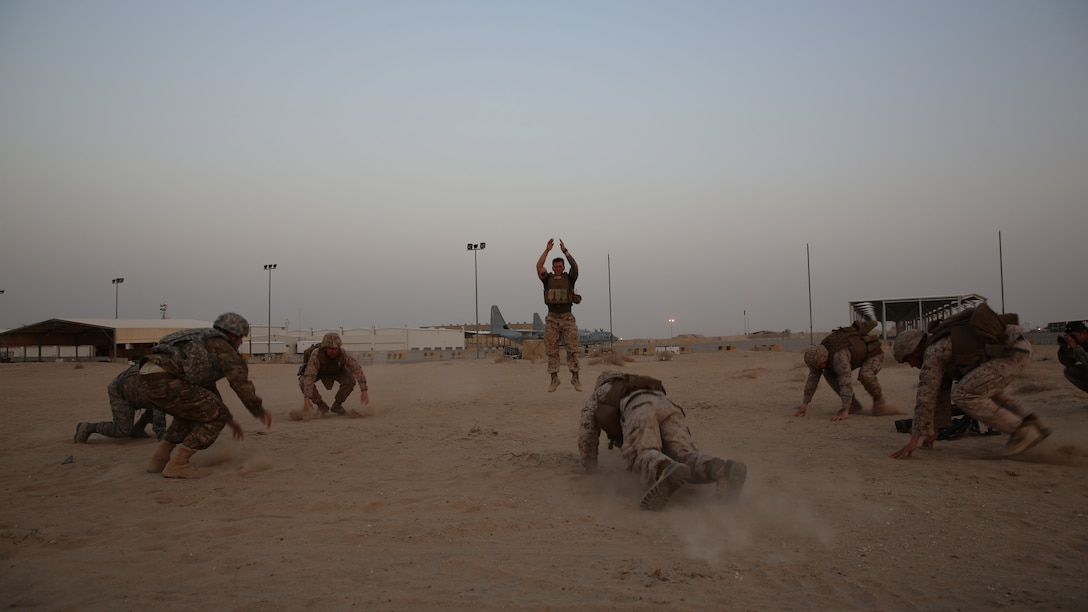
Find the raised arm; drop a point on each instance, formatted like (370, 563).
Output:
(541, 271)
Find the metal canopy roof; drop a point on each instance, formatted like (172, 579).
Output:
(95, 332)
(912, 312)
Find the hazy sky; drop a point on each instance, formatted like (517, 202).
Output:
(700, 146)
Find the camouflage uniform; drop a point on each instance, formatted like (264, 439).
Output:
(124, 402)
(560, 323)
(343, 369)
(654, 436)
(837, 374)
(980, 393)
(179, 378)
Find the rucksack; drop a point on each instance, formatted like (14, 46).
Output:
(306, 358)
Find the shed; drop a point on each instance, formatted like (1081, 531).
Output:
(106, 338)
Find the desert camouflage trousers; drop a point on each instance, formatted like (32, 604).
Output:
(344, 377)
(655, 435)
(124, 394)
(981, 393)
(199, 413)
(866, 376)
(561, 325)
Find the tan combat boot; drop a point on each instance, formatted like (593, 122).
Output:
(729, 476)
(179, 467)
(161, 457)
(555, 382)
(674, 477)
(83, 431)
(574, 381)
(882, 408)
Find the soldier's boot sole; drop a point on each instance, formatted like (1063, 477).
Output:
(674, 477)
(83, 432)
(730, 480)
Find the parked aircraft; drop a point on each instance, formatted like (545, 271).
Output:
(597, 336)
(499, 327)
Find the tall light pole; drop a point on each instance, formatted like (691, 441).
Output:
(671, 321)
(269, 267)
(116, 281)
(476, 273)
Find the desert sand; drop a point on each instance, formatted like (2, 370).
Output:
(461, 489)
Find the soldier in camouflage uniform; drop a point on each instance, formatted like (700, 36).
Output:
(179, 378)
(124, 402)
(946, 354)
(559, 295)
(843, 350)
(330, 364)
(637, 415)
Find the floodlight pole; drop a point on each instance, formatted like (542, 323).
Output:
(116, 281)
(476, 273)
(269, 267)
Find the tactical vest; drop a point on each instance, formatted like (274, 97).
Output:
(861, 347)
(186, 350)
(325, 366)
(608, 412)
(558, 290)
(976, 335)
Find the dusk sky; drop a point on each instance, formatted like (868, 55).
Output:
(698, 146)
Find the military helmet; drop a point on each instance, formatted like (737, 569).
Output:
(331, 340)
(906, 343)
(232, 323)
(815, 355)
(606, 376)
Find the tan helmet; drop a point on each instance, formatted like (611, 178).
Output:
(331, 340)
(606, 376)
(906, 343)
(815, 355)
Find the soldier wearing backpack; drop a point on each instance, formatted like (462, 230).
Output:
(330, 364)
(843, 350)
(637, 415)
(985, 352)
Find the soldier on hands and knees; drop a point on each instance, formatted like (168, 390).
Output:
(637, 415)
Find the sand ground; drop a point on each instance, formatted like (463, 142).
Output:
(462, 490)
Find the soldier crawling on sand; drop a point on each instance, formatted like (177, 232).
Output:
(654, 440)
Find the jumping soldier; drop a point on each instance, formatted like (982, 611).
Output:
(559, 295)
(179, 378)
(843, 350)
(654, 440)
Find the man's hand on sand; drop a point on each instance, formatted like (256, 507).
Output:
(801, 410)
